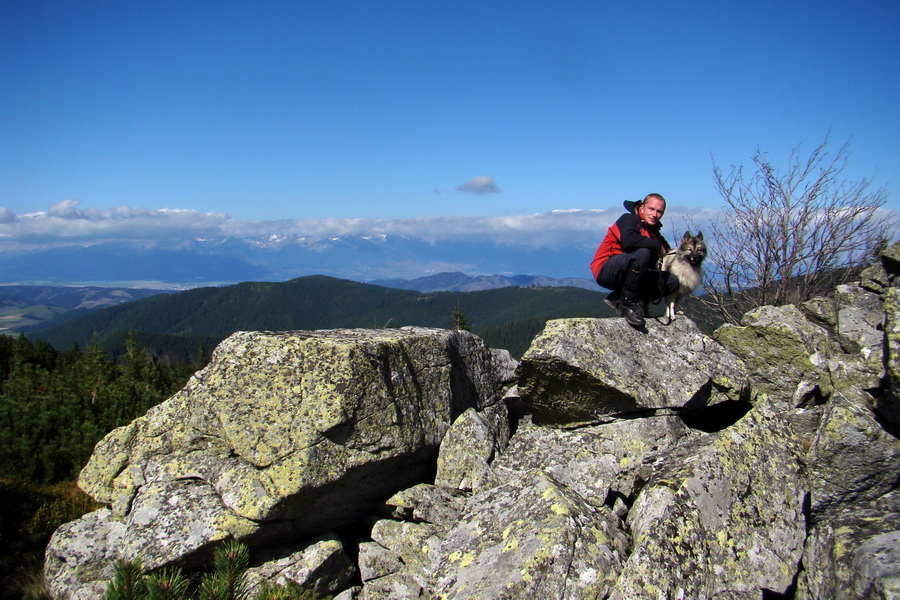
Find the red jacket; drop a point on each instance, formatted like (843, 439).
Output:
(627, 234)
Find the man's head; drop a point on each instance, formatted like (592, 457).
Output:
(652, 209)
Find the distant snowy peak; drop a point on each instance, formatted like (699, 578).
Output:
(279, 240)
(460, 282)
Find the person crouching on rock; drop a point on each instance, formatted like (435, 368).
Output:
(628, 257)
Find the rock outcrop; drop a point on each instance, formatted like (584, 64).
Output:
(609, 462)
(580, 371)
(283, 436)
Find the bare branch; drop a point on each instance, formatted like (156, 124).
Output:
(788, 236)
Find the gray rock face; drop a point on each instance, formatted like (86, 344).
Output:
(529, 538)
(714, 519)
(609, 486)
(892, 333)
(282, 435)
(322, 566)
(377, 562)
(787, 353)
(470, 445)
(860, 320)
(580, 371)
(890, 258)
(592, 461)
(852, 457)
(801, 356)
(854, 554)
(425, 503)
(79, 560)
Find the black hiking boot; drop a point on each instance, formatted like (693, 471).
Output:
(631, 312)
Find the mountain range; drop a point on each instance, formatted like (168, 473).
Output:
(224, 260)
(460, 282)
(24, 307)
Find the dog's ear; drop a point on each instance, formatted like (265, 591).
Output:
(699, 235)
(686, 236)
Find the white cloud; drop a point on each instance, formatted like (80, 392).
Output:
(480, 185)
(67, 209)
(68, 223)
(65, 223)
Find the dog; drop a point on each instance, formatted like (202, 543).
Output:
(686, 263)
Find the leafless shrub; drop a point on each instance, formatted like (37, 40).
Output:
(787, 237)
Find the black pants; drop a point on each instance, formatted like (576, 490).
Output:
(631, 274)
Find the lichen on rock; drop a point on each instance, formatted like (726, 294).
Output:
(530, 538)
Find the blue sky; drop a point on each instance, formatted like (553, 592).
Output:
(387, 110)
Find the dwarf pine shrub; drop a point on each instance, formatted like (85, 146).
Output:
(227, 581)
(168, 584)
(128, 582)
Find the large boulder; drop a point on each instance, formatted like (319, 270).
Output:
(580, 371)
(282, 435)
(722, 517)
(786, 352)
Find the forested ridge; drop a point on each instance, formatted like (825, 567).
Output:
(174, 325)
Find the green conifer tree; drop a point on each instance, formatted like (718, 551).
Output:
(128, 582)
(227, 582)
(458, 320)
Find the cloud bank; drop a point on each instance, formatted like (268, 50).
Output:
(67, 223)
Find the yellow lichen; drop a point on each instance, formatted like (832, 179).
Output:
(559, 509)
